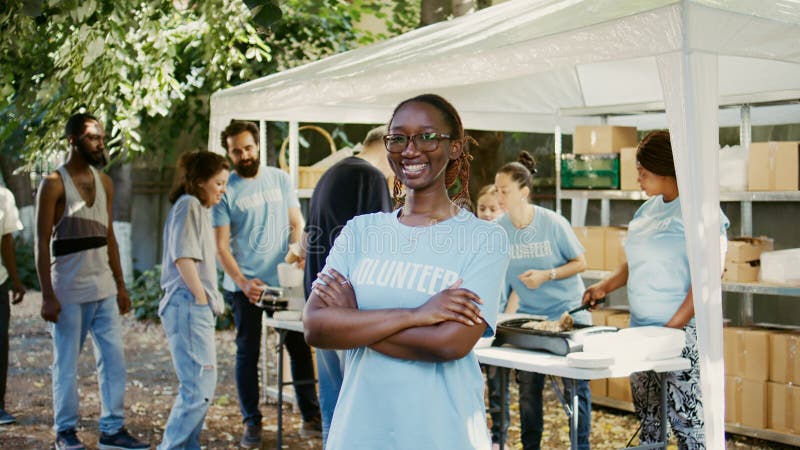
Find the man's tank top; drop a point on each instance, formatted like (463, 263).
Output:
(79, 246)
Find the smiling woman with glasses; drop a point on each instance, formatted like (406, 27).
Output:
(408, 315)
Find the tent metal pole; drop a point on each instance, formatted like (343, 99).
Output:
(558, 144)
(745, 138)
(294, 152)
(746, 213)
(262, 141)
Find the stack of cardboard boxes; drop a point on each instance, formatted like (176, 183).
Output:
(743, 257)
(783, 389)
(746, 374)
(761, 376)
(603, 245)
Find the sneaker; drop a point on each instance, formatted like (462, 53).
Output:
(311, 428)
(121, 440)
(251, 438)
(6, 418)
(68, 440)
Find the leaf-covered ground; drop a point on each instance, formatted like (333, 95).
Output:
(151, 388)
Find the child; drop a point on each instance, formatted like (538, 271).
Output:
(489, 209)
(488, 206)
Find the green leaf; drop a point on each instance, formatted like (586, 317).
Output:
(266, 15)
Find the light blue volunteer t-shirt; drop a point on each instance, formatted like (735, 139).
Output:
(546, 243)
(390, 403)
(257, 210)
(658, 266)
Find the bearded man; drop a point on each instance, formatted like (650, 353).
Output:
(257, 219)
(83, 291)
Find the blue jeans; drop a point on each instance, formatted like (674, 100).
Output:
(496, 402)
(330, 370)
(190, 332)
(530, 410)
(248, 318)
(102, 319)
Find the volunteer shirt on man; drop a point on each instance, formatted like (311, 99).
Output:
(257, 210)
(391, 403)
(658, 266)
(188, 234)
(546, 243)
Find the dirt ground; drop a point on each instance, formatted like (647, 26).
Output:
(151, 388)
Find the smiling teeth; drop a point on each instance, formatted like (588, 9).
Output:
(415, 167)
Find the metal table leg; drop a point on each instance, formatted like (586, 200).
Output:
(663, 381)
(570, 407)
(281, 339)
(503, 390)
(573, 432)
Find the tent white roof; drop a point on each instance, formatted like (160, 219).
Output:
(529, 65)
(532, 65)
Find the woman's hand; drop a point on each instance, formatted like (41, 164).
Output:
(593, 293)
(534, 278)
(454, 304)
(335, 290)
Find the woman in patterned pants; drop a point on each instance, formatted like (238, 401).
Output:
(660, 294)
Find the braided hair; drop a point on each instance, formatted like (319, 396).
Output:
(521, 171)
(655, 154)
(456, 178)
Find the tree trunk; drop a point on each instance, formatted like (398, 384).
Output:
(272, 157)
(120, 174)
(432, 11)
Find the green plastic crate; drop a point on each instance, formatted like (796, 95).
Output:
(590, 171)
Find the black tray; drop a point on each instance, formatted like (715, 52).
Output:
(560, 343)
(271, 304)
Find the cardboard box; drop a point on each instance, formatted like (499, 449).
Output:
(731, 405)
(621, 320)
(628, 174)
(603, 138)
(785, 362)
(746, 249)
(784, 407)
(613, 247)
(599, 387)
(773, 166)
(593, 241)
(620, 389)
(746, 353)
(746, 402)
(744, 272)
(600, 315)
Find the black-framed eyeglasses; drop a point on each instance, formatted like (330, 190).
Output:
(424, 142)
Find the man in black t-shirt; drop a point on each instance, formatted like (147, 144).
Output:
(354, 186)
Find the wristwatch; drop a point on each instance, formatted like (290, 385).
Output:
(552, 274)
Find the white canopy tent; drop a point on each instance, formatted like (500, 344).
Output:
(546, 65)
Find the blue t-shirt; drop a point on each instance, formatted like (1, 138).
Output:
(391, 403)
(658, 266)
(546, 243)
(257, 210)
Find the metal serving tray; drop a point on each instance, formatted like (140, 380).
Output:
(510, 332)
